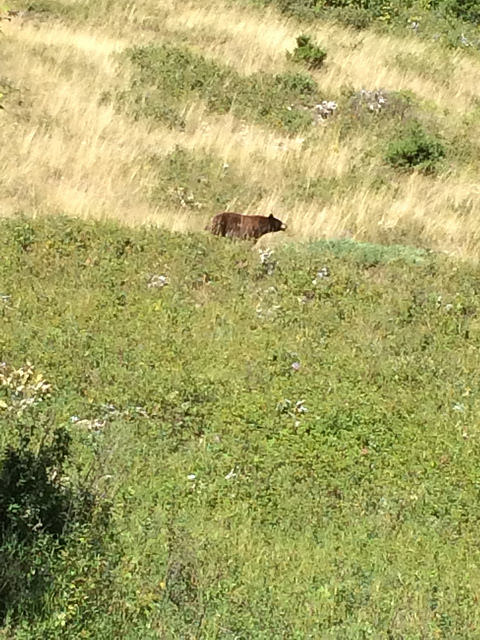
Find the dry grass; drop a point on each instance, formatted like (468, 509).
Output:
(64, 151)
(258, 41)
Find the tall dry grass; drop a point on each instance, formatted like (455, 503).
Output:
(63, 150)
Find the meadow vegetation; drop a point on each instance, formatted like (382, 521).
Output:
(203, 441)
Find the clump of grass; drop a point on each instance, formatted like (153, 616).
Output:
(425, 66)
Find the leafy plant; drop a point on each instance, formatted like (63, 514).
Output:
(468, 10)
(41, 508)
(38, 513)
(352, 16)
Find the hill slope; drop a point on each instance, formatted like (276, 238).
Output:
(100, 120)
(214, 444)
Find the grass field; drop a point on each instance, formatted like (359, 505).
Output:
(285, 449)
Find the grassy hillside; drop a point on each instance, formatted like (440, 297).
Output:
(205, 439)
(168, 112)
(202, 441)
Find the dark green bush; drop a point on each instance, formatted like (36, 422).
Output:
(415, 149)
(40, 509)
(468, 10)
(385, 9)
(307, 52)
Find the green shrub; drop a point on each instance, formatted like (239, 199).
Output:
(468, 10)
(42, 507)
(308, 53)
(415, 149)
(39, 511)
(384, 9)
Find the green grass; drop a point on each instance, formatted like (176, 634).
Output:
(166, 76)
(200, 182)
(356, 518)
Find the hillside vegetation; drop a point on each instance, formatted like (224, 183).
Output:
(204, 441)
(203, 438)
(168, 112)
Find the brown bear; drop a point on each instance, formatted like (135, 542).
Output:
(237, 225)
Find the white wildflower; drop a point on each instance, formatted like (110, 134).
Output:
(300, 407)
(157, 282)
(324, 272)
(267, 261)
(265, 255)
(325, 109)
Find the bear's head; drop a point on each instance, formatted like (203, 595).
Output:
(275, 224)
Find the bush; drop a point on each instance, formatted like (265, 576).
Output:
(41, 507)
(415, 149)
(308, 53)
(468, 10)
(378, 101)
(384, 9)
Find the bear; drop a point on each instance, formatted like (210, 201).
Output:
(237, 225)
